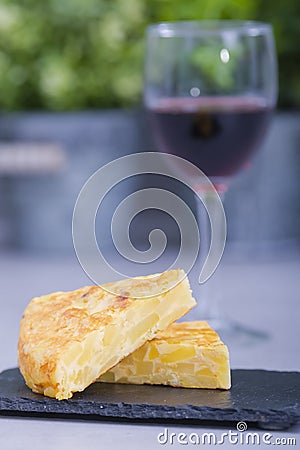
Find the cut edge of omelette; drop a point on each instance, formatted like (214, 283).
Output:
(186, 354)
(68, 339)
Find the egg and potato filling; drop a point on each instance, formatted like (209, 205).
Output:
(186, 354)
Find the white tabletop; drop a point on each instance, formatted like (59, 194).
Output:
(262, 294)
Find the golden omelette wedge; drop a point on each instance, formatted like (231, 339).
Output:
(68, 339)
(187, 354)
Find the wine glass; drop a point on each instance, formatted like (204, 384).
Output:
(210, 88)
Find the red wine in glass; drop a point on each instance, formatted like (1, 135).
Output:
(210, 88)
(217, 134)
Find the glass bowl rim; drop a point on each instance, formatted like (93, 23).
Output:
(202, 27)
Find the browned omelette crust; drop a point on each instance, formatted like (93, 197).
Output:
(67, 319)
(197, 332)
(53, 324)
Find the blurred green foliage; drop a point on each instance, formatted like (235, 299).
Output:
(79, 54)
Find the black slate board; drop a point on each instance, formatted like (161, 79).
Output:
(267, 399)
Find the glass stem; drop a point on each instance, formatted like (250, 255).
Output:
(209, 293)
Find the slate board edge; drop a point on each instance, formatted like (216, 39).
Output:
(282, 419)
(268, 419)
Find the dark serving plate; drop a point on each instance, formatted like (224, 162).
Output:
(266, 399)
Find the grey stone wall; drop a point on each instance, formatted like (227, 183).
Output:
(262, 205)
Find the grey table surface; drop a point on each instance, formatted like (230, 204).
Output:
(262, 292)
